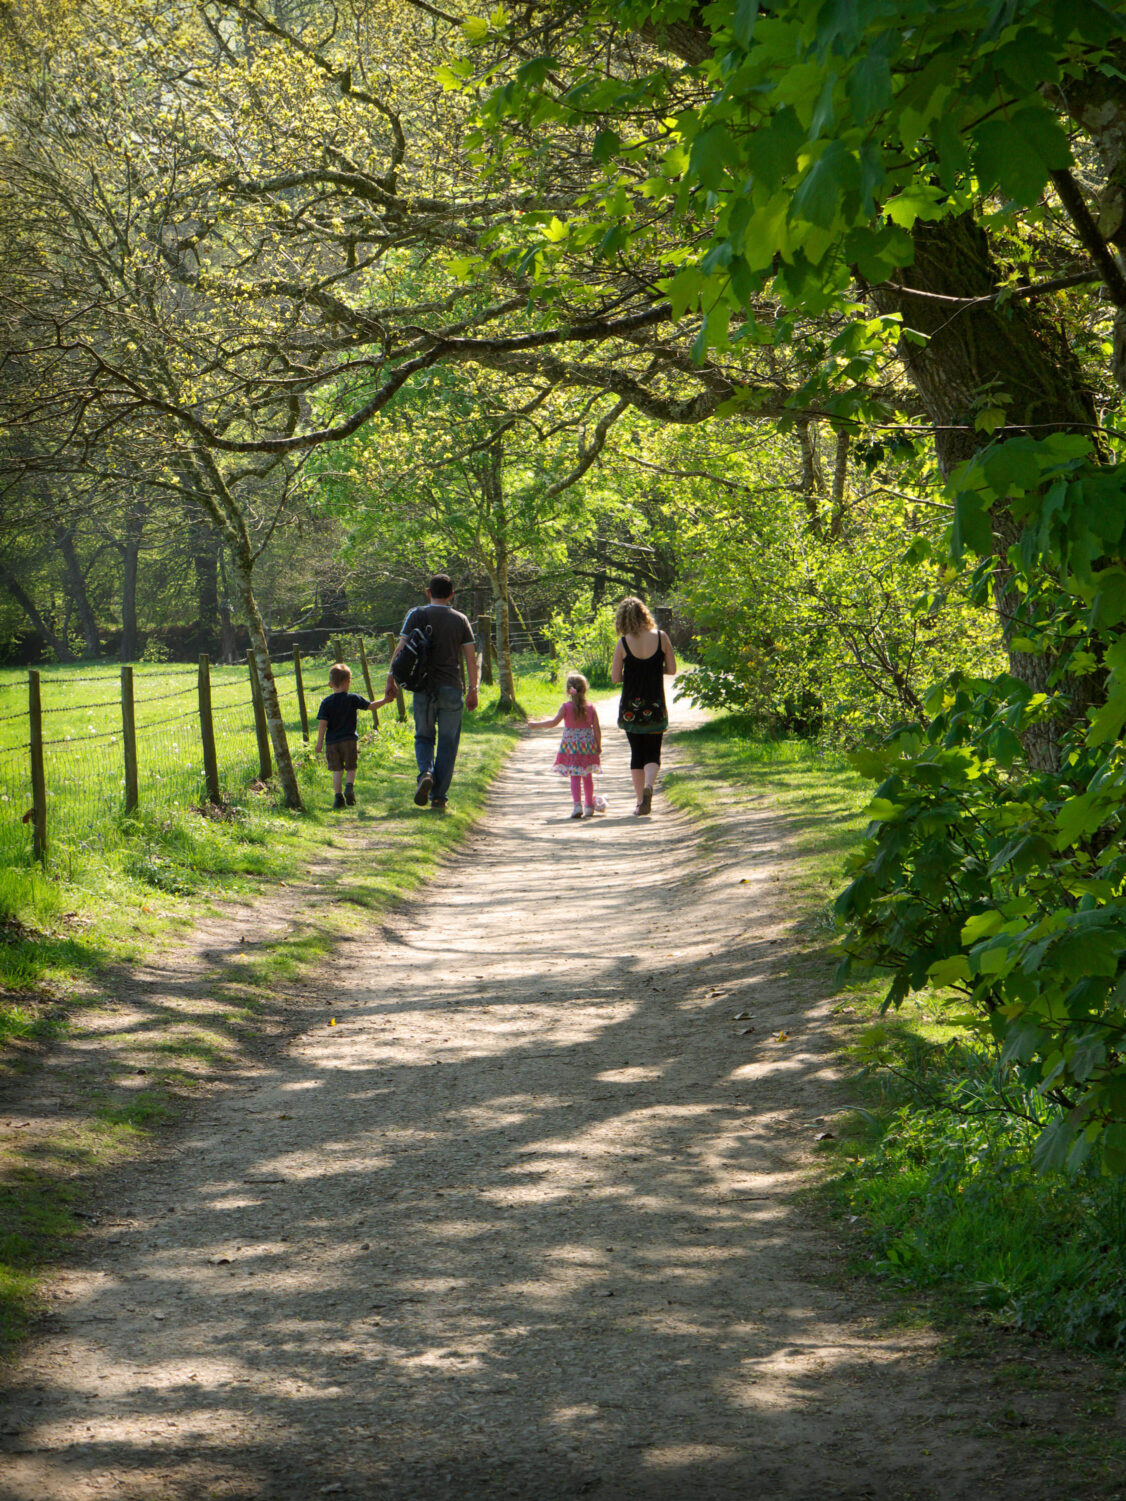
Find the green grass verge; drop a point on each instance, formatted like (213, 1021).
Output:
(118, 898)
(930, 1177)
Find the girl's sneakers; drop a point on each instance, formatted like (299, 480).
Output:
(576, 811)
(645, 806)
(587, 812)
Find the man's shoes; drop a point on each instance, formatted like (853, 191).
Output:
(422, 791)
(338, 801)
(645, 806)
(442, 807)
(350, 795)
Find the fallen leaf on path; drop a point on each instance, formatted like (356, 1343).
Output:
(741, 1016)
(782, 1037)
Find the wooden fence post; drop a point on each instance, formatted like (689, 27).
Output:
(265, 764)
(339, 648)
(367, 681)
(38, 776)
(300, 681)
(129, 740)
(207, 731)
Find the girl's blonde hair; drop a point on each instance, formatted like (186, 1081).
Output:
(576, 681)
(633, 617)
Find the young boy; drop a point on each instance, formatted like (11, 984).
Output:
(337, 734)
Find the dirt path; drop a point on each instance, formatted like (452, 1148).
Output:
(520, 1224)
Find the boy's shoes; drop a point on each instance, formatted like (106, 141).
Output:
(576, 811)
(338, 801)
(422, 791)
(646, 804)
(350, 795)
(442, 807)
(588, 812)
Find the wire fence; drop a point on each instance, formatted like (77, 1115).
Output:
(103, 744)
(78, 750)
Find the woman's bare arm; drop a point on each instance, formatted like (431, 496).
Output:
(670, 660)
(618, 663)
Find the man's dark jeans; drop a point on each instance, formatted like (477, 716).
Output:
(437, 715)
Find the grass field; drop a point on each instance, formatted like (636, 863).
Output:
(83, 743)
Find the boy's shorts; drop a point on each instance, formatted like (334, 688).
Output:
(341, 755)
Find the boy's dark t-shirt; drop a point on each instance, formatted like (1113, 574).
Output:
(449, 632)
(339, 711)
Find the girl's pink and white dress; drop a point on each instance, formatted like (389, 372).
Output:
(578, 755)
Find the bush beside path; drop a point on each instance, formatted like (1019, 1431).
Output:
(515, 1211)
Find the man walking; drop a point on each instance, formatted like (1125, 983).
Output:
(438, 706)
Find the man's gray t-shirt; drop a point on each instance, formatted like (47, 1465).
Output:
(449, 632)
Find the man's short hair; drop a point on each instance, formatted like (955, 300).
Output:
(340, 675)
(441, 586)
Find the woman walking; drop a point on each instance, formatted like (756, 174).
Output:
(643, 658)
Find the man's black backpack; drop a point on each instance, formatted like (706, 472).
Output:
(410, 666)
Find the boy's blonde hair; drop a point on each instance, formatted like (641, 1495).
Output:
(576, 681)
(340, 675)
(633, 617)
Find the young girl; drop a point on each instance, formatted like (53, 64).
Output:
(581, 744)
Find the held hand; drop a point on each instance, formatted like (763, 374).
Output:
(471, 699)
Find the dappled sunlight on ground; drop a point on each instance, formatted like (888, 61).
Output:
(520, 1223)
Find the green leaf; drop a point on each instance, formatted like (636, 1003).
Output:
(1017, 153)
(606, 143)
(950, 971)
(883, 809)
(711, 152)
(869, 86)
(1109, 607)
(771, 151)
(989, 419)
(982, 925)
(1081, 814)
(1107, 722)
(1052, 1146)
(971, 529)
(819, 196)
(743, 22)
(1113, 1145)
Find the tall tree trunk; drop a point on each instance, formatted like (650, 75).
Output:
(812, 481)
(498, 577)
(840, 482)
(492, 481)
(61, 650)
(970, 352)
(76, 589)
(205, 563)
(130, 558)
(242, 567)
(228, 636)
